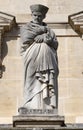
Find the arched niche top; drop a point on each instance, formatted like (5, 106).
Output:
(7, 22)
(76, 22)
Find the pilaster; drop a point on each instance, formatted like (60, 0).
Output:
(7, 22)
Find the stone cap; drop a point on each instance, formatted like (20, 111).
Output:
(76, 22)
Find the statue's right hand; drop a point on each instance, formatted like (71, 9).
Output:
(38, 39)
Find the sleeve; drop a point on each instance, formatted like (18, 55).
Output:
(54, 41)
(51, 39)
(26, 36)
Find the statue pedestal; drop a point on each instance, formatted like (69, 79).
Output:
(38, 119)
(44, 121)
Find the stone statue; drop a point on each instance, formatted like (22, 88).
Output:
(39, 50)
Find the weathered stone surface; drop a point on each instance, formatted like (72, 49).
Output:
(59, 10)
(24, 110)
(31, 118)
(76, 21)
(31, 121)
(6, 23)
(67, 127)
(70, 54)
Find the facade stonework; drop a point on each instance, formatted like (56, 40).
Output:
(70, 57)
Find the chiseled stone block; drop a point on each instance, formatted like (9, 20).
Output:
(37, 118)
(38, 121)
(67, 127)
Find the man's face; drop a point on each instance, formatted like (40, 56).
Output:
(37, 17)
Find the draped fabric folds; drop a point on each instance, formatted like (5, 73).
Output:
(40, 65)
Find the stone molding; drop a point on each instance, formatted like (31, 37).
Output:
(7, 22)
(38, 121)
(67, 127)
(76, 22)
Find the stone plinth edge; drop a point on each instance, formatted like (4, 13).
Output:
(40, 121)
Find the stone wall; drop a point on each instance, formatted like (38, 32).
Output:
(59, 9)
(70, 55)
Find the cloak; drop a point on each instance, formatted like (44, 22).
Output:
(40, 63)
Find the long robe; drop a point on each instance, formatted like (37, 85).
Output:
(40, 65)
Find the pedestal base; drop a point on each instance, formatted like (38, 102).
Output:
(37, 119)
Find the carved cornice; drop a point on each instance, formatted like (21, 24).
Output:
(7, 22)
(76, 22)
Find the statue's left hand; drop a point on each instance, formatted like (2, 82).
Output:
(39, 39)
